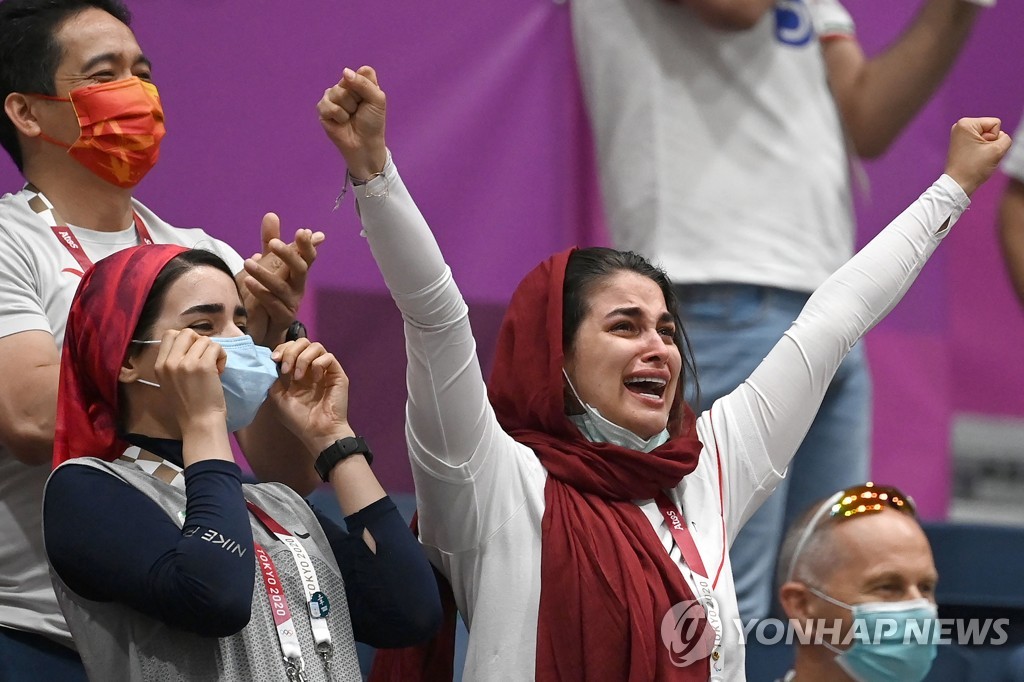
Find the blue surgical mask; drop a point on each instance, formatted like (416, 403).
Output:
(247, 377)
(596, 428)
(893, 641)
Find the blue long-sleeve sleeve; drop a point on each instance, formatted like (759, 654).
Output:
(392, 594)
(186, 577)
(194, 578)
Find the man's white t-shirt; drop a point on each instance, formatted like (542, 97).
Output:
(722, 154)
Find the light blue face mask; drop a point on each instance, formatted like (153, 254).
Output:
(898, 643)
(597, 429)
(247, 377)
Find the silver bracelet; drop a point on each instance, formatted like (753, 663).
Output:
(355, 182)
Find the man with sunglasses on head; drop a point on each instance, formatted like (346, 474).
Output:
(857, 578)
(83, 122)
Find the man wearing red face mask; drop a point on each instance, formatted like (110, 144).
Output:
(83, 122)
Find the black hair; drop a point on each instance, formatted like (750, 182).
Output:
(588, 268)
(30, 53)
(171, 273)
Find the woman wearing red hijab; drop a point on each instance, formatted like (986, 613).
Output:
(580, 511)
(166, 566)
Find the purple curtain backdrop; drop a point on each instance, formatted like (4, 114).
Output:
(487, 126)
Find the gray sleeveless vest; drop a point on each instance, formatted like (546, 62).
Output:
(118, 643)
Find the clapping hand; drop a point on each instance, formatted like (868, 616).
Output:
(275, 280)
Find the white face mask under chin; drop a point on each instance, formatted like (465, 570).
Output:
(597, 429)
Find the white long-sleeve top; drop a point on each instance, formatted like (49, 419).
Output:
(480, 494)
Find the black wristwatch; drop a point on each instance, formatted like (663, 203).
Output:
(338, 451)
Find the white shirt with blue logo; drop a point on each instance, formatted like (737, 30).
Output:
(722, 154)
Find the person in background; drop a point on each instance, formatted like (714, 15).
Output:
(164, 564)
(860, 555)
(576, 504)
(724, 131)
(83, 122)
(1011, 215)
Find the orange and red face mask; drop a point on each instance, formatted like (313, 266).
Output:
(122, 124)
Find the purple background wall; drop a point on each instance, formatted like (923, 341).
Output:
(487, 126)
(951, 345)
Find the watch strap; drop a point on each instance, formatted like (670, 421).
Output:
(338, 451)
(296, 331)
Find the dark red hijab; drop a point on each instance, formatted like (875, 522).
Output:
(103, 316)
(606, 580)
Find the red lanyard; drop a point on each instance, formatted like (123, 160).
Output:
(681, 534)
(66, 237)
(291, 650)
(42, 206)
(317, 603)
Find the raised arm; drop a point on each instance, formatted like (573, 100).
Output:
(455, 442)
(447, 397)
(775, 406)
(878, 97)
(353, 114)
